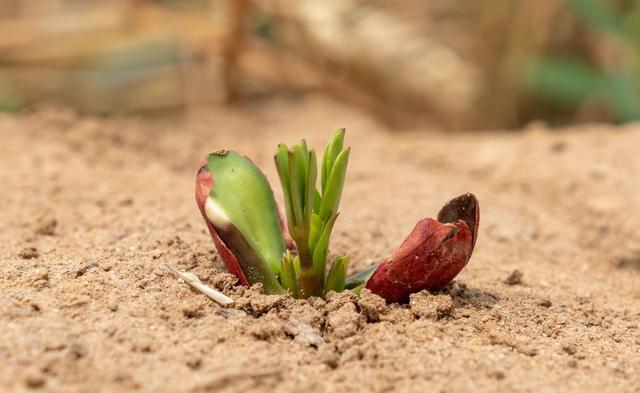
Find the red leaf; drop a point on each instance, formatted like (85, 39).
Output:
(433, 253)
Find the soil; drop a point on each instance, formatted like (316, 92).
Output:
(92, 209)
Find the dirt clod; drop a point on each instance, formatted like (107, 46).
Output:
(46, 226)
(29, 253)
(35, 382)
(256, 303)
(546, 303)
(269, 328)
(570, 349)
(78, 351)
(371, 305)
(432, 306)
(192, 310)
(194, 363)
(343, 320)
(515, 278)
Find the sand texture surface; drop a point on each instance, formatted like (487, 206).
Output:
(91, 210)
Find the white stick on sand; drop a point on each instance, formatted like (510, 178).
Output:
(196, 284)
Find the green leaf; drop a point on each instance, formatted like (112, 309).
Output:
(565, 80)
(331, 196)
(282, 164)
(310, 191)
(317, 225)
(599, 15)
(322, 247)
(358, 279)
(288, 276)
(243, 211)
(317, 200)
(623, 96)
(296, 265)
(331, 151)
(297, 176)
(337, 274)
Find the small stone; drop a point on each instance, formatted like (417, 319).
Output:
(332, 360)
(46, 226)
(35, 381)
(558, 147)
(572, 363)
(194, 363)
(328, 355)
(515, 278)
(85, 268)
(40, 279)
(143, 346)
(78, 351)
(128, 201)
(569, 349)
(192, 310)
(499, 375)
(29, 253)
(113, 305)
(546, 303)
(529, 351)
(304, 334)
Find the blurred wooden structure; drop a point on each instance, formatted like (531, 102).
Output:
(140, 55)
(144, 55)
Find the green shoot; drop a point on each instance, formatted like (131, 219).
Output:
(311, 214)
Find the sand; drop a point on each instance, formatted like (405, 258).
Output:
(91, 210)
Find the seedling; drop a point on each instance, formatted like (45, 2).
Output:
(242, 216)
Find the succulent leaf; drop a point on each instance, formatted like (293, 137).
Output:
(238, 206)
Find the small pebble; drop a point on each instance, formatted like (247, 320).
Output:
(194, 363)
(515, 278)
(569, 349)
(546, 303)
(46, 226)
(35, 382)
(29, 253)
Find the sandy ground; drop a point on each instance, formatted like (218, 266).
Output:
(91, 210)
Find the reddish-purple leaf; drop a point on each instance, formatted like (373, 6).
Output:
(433, 253)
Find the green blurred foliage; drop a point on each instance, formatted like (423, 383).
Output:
(573, 80)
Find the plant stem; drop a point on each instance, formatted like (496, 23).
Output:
(310, 282)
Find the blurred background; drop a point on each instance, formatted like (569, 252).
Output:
(450, 64)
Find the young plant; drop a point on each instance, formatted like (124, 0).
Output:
(242, 216)
(311, 214)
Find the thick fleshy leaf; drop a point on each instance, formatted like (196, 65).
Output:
(433, 253)
(241, 214)
(204, 183)
(337, 274)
